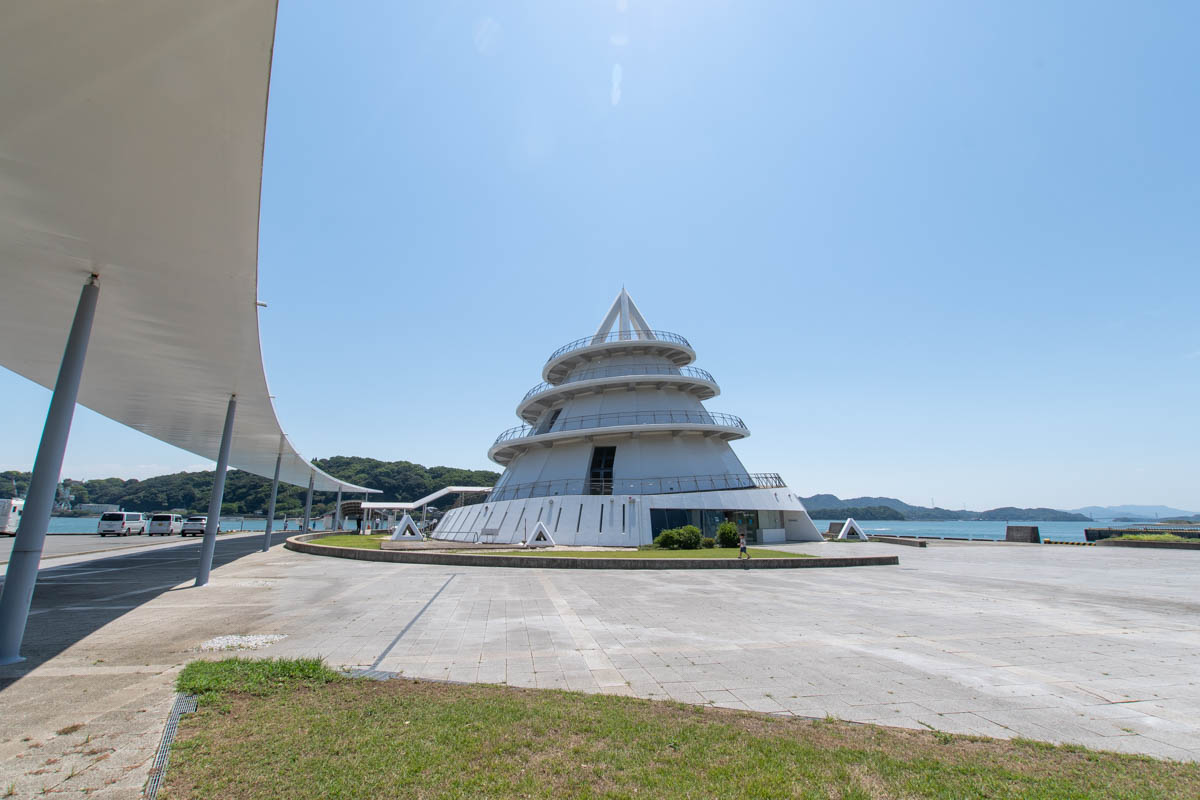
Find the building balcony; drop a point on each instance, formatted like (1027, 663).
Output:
(698, 382)
(516, 440)
(668, 345)
(638, 486)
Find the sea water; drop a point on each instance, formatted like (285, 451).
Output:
(90, 524)
(989, 531)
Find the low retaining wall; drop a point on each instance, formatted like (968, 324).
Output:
(1027, 534)
(305, 544)
(1097, 534)
(898, 540)
(1135, 543)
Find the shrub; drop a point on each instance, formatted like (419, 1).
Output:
(668, 539)
(689, 537)
(707, 542)
(727, 534)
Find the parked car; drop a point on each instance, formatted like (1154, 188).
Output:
(194, 526)
(121, 523)
(166, 524)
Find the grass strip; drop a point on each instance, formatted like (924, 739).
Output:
(352, 540)
(1154, 537)
(712, 552)
(297, 730)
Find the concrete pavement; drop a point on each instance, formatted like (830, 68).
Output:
(1088, 645)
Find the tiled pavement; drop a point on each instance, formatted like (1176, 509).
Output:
(1095, 646)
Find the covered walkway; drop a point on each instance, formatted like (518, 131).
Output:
(131, 146)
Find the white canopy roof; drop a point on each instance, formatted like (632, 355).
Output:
(131, 138)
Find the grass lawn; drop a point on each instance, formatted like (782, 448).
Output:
(711, 552)
(370, 542)
(271, 729)
(1155, 537)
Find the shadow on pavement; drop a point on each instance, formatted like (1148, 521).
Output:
(75, 600)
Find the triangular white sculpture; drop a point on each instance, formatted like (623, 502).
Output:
(406, 531)
(625, 315)
(541, 537)
(850, 526)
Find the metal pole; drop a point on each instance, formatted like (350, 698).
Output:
(209, 545)
(308, 503)
(271, 505)
(337, 512)
(21, 576)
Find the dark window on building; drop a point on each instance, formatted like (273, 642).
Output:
(662, 519)
(600, 476)
(548, 421)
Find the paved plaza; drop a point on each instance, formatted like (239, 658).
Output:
(1096, 646)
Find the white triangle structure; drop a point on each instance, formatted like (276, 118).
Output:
(406, 531)
(541, 537)
(850, 526)
(632, 325)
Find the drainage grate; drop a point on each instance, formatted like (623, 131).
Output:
(184, 704)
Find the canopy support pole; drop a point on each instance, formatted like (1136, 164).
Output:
(21, 577)
(308, 503)
(209, 545)
(337, 512)
(271, 504)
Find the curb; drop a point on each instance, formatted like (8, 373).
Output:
(302, 544)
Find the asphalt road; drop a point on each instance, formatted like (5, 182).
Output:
(69, 544)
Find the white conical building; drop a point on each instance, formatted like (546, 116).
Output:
(617, 445)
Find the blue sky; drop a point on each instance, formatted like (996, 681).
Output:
(939, 251)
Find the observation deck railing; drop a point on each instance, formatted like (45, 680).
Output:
(619, 418)
(620, 372)
(621, 336)
(638, 486)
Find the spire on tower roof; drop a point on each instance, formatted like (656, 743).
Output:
(632, 325)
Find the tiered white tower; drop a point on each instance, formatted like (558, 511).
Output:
(617, 445)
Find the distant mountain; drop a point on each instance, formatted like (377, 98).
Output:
(857, 512)
(824, 506)
(1133, 512)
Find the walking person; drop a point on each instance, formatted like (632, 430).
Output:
(742, 547)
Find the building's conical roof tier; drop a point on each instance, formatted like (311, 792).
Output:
(625, 380)
(697, 382)
(624, 332)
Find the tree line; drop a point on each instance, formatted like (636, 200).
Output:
(247, 494)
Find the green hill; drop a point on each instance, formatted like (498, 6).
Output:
(249, 494)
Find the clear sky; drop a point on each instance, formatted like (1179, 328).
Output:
(943, 251)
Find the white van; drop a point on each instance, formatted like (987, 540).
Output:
(165, 524)
(10, 514)
(121, 523)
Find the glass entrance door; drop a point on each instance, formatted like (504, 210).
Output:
(600, 476)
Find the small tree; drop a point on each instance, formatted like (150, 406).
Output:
(727, 534)
(689, 537)
(668, 539)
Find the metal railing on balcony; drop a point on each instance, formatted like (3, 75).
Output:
(622, 418)
(638, 486)
(621, 336)
(620, 372)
